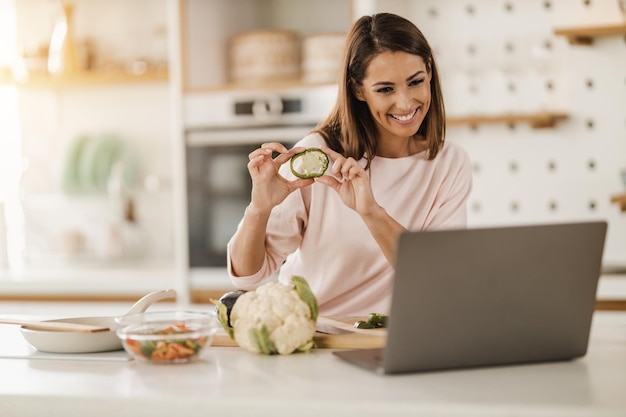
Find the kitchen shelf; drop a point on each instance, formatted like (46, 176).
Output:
(620, 200)
(536, 120)
(584, 35)
(87, 79)
(278, 85)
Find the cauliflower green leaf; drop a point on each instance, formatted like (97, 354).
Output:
(260, 338)
(307, 347)
(305, 293)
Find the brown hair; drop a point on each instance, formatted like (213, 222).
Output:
(350, 128)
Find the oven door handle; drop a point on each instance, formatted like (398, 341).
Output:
(246, 136)
(267, 108)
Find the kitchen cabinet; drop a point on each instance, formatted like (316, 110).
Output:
(209, 27)
(146, 108)
(81, 244)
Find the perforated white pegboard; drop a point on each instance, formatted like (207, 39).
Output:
(502, 56)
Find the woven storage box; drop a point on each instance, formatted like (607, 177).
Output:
(264, 56)
(321, 57)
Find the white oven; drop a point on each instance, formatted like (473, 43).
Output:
(221, 130)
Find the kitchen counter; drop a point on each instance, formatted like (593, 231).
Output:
(136, 282)
(231, 382)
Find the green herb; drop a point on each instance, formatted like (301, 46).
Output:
(374, 321)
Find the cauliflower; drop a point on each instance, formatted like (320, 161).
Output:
(275, 318)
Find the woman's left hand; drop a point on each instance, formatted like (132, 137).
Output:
(350, 181)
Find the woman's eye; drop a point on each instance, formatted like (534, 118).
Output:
(385, 90)
(416, 82)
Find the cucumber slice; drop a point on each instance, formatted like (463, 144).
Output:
(311, 163)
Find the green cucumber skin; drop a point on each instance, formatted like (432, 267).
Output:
(309, 176)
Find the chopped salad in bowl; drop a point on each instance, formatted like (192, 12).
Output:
(167, 337)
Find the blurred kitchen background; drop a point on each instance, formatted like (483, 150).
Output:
(125, 125)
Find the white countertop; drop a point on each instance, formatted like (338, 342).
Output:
(233, 382)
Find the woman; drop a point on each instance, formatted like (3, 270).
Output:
(391, 171)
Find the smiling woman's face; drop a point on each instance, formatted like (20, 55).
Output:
(397, 92)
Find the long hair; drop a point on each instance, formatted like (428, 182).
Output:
(350, 129)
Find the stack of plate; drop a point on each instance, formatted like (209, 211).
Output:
(321, 57)
(89, 163)
(264, 56)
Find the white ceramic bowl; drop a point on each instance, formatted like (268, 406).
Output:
(75, 342)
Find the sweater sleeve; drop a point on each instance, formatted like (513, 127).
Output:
(284, 231)
(284, 234)
(454, 192)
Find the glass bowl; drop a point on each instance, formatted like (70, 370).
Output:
(167, 336)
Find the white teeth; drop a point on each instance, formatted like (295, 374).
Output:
(404, 118)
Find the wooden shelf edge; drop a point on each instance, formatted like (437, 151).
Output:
(537, 120)
(87, 79)
(197, 296)
(282, 85)
(610, 305)
(620, 200)
(584, 35)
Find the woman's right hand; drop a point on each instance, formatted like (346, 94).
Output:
(269, 188)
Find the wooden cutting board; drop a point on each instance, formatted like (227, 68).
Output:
(354, 339)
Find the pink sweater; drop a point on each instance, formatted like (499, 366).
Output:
(319, 238)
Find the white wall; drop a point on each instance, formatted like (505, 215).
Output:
(523, 175)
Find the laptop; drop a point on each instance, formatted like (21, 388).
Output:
(489, 296)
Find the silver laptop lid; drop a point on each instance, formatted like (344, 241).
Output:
(491, 296)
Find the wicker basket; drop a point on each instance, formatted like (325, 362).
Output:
(264, 56)
(322, 55)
